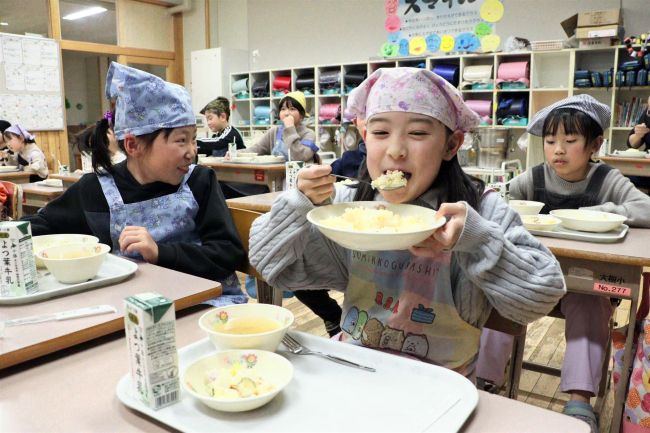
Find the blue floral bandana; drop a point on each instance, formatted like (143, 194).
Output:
(146, 103)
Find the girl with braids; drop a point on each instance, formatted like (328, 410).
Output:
(99, 140)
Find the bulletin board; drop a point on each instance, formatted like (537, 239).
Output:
(30, 82)
(420, 27)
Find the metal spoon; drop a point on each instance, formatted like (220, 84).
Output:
(390, 188)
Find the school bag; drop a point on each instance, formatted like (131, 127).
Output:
(636, 413)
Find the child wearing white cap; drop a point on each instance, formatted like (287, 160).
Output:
(430, 301)
(572, 130)
(29, 156)
(156, 205)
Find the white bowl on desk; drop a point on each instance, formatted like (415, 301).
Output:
(74, 263)
(589, 220)
(526, 207)
(39, 243)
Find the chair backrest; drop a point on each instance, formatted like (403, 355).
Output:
(14, 203)
(243, 219)
(500, 323)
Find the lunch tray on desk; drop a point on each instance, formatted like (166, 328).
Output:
(113, 270)
(603, 238)
(432, 398)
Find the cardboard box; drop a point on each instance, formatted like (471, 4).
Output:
(609, 18)
(18, 275)
(149, 322)
(600, 18)
(597, 42)
(609, 31)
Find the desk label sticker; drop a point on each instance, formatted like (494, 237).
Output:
(259, 175)
(613, 289)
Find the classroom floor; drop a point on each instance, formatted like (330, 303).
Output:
(544, 345)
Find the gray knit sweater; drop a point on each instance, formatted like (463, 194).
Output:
(495, 263)
(618, 195)
(292, 137)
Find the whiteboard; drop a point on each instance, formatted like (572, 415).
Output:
(30, 82)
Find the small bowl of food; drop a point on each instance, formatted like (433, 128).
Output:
(237, 380)
(540, 222)
(375, 226)
(246, 326)
(526, 207)
(39, 243)
(589, 220)
(74, 263)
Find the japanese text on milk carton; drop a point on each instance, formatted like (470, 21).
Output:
(18, 276)
(151, 338)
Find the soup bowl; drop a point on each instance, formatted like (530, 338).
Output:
(526, 207)
(74, 263)
(589, 220)
(39, 243)
(246, 326)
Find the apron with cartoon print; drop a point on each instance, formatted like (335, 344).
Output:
(169, 218)
(401, 303)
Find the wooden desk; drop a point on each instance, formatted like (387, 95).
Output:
(74, 390)
(258, 203)
(629, 166)
(15, 176)
(271, 175)
(22, 343)
(38, 195)
(67, 179)
(618, 267)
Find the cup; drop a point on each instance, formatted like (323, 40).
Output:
(232, 150)
(63, 169)
(292, 168)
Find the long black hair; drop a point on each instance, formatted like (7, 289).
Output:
(459, 185)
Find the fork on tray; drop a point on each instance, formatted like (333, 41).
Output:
(296, 348)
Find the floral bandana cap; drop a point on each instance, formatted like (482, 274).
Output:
(412, 90)
(146, 103)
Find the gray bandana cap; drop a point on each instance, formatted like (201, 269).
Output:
(146, 103)
(585, 103)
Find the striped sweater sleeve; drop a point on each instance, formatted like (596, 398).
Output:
(290, 253)
(518, 275)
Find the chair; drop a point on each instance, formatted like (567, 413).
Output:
(499, 323)
(243, 219)
(14, 204)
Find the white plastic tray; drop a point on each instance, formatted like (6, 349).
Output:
(639, 154)
(113, 270)
(8, 168)
(564, 233)
(403, 395)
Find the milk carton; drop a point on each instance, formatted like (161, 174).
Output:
(291, 173)
(149, 322)
(17, 267)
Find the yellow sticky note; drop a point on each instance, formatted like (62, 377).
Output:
(417, 46)
(447, 43)
(492, 11)
(490, 43)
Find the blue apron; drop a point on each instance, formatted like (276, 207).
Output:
(168, 219)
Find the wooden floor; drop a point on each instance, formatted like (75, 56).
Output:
(544, 345)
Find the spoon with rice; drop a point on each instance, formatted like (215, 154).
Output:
(389, 181)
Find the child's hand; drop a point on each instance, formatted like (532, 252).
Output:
(316, 183)
(641, 129)
(134, 239)
(227, 157)
(289, 121)
(445, 238)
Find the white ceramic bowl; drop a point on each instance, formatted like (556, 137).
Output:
(377, 241)
(540, 222)
(246, 154)
(39, 243)
(274, 371)
(526, 207)
(589, 220)
(216, 322)
(74, 263)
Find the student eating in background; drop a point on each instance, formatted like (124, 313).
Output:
(29, 156)
(6, 156)
(217, 116)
